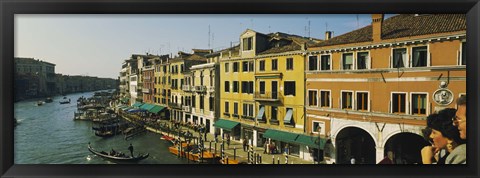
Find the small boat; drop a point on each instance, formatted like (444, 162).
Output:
(118, 156)
(168, 138)
(196, 155)
(65, 101)
(48, 100)
(39, 103)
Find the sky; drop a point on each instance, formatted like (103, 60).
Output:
(96, 45)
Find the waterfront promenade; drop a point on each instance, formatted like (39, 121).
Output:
(235, 147)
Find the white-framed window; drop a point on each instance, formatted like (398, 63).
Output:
(227, 107)
(262, 87)
(420, 56)
(261, 65)
(362, 60)
(289, 88)
(326, 62)
(227, 86)
(312, 98)
(235, 67)
(398, 102)
(347, 61)
(248, 110)
(313, 63)
(274, 64)
(247, 43)
(362, 100)
(419, 103)
(462, 57)
(289, 64)
(235, 108)
(346, 99)
(245, 66)
(399, 58)
(316, 125)
(235, 86)
(325, 98)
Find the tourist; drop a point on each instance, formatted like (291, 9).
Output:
(265, 147)
(458, 155)
(228, 141)
(444, 136)
(131, 149)
(245, 144)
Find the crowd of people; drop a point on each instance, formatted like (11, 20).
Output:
(446, 131)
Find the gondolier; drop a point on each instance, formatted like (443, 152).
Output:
(131, 149)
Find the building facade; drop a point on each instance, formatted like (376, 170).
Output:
(369, 91)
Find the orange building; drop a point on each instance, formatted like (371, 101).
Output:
(369, 91)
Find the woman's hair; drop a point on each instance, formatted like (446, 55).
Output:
(442, 121)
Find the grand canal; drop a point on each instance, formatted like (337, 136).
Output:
(48, 134)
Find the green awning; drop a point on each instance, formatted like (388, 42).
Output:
(225, 124)
(147, 106)
(310, 141)
(156, 109)
(288, 117)
(137, 104)
(281, 136)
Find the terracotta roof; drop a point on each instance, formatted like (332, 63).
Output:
(294, 42)
(404, 25)
(291, 47)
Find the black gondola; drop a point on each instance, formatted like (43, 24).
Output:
(117, 157)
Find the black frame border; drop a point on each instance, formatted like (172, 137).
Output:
(8, 8)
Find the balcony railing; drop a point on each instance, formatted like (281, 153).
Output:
(268, 96)
(146, 90)
(187, 108)
(175, 105)
(186, 87)
(200, 89)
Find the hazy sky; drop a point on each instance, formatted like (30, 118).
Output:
(96, 45)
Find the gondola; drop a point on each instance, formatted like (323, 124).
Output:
(117, 158)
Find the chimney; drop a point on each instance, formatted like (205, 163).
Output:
(328, 35)
(377, 20)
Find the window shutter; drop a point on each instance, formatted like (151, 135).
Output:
(369, 62)
(459, 61)
(429, 60)
(390, 107)
(390, 62)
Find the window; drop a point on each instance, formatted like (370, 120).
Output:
(262, 65)
(419, 56)
(289, 88)
(251, 87)
(235, 86)
(227, 86)
(274, 64)
(210, 103)
(362, 101)
(419, 104)
(347, 100)
(312, 63)
(312, 98)
(248, 110)
(247, 44)
(235, 108)
(181, 68)
(235, 67)
(464, 54)
(247, 87)
(362, 60)
(245, 66)
(347, 61)
(202, 103)
(194, 100)
(399, 58)
(289, 63)
(318, 125)
(274, 113)
(227, 110)
(227, 65)
(398, 102)
(262, 87)
(251, 66)
(324, 98)
(325, 62)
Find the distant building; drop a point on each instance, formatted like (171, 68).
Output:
(41, 77)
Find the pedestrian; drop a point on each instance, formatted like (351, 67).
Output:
(458, 155)
(285, 149)
(131, 149)
(216, 137)
(228, 141)
(265, 147)
(245, 144)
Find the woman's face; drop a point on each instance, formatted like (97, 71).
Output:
(438, 140)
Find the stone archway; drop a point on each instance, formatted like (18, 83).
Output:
(357, 143)
(406, 148)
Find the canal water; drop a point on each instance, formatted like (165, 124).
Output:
(48, 134)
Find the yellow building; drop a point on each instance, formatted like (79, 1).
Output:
(369, 91)
(262, 90)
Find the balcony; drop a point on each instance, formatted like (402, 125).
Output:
(268, 96)
(186, 87)
(211, 89)
(175, 105)
(200, 89)
(187, 109)
(146, 90)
